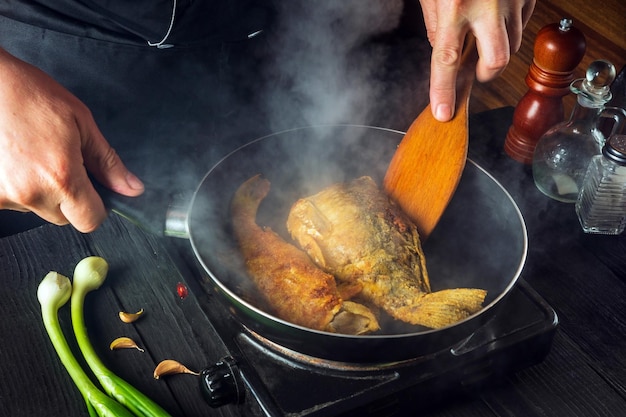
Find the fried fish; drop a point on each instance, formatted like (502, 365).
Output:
(291, 284)
(356, 233)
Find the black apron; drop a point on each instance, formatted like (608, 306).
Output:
(171, 112)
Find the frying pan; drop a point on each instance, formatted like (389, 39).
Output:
(480, 242)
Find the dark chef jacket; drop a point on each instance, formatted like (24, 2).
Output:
(170, 105)
(142, 21)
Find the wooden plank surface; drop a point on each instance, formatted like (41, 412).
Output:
(141, 275)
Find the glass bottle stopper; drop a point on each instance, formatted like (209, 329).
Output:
(596, 86)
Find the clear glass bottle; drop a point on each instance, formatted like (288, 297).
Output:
(601, 204)
(563, 153)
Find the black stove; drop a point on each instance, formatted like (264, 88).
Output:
(266, 379)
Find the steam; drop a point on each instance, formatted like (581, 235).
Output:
(322, 62)
(325, 68)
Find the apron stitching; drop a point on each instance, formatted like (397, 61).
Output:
(161, 43)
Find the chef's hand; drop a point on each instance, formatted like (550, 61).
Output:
(48, 143)
(497, 26)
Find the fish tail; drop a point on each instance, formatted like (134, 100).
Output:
(442, 308)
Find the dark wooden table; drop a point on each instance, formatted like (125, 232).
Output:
(582, 276)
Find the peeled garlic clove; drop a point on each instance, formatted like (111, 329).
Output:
(169, 367)
(124, 343)
(130, 317)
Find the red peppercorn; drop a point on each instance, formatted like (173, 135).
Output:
(182, 291)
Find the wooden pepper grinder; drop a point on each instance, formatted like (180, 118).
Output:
(559, 48)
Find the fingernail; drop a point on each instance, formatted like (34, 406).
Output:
(134, 182)
(443, 113)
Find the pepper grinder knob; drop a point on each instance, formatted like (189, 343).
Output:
(558, 49)
(220, 383)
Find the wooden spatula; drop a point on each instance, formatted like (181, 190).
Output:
(427, 166)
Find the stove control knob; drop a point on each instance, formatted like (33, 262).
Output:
(221, 383)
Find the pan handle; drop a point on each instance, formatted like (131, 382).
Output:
(156, 211)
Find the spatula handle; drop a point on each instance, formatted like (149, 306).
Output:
(467, 73)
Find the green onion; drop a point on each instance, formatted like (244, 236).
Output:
(52, 293)
(89, 275)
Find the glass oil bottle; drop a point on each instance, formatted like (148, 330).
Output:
(563, 153)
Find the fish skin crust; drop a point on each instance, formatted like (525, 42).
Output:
(355, 232)
(298, 290)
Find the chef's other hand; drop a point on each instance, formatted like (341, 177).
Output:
(48, 142)
(497, 26)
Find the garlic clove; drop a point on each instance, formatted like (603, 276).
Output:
(130, 317)
(124, 343)
(170, 367)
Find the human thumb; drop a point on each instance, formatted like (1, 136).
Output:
(106, 166)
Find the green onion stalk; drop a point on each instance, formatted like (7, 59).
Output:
(89, 275)
(53, 292)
